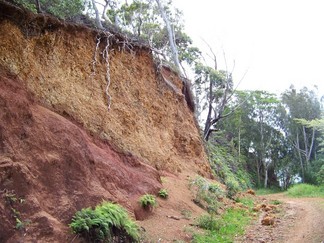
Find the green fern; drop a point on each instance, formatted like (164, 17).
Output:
(163, 193)
(107, 222)
(147, 201)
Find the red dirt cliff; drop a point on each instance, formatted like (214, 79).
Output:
(61, 149)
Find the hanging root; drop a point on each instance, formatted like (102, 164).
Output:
(124, 44)
(94, 62)
(105, 56)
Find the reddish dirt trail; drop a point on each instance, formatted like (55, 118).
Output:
(305, 219)
(300, 220)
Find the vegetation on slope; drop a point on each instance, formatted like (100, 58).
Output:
(229, 168)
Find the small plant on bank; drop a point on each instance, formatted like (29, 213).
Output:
(147, 201)
(108, 222)
(163, 193)
(12, 201)
(21, 225)
(275, 202)
(232, 187)
(187, 214)
(206, 194)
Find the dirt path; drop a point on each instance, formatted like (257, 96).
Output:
(299, 220)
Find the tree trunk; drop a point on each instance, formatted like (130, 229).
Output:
(311, 146)
(300, 158)
(98, 21)
(209, 114)
(265, 171)
(258, 172)
(305, 146)
(38, 6)
(239, 140)
(173, 46)
(104, 12)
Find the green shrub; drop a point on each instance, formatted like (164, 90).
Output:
(232, 187)
(206, 194)
(163, 193)
(148, 201)
(107, 222)
(275, 202)
(320, 176)
(215, 188)
(187, 214)
(208, 222)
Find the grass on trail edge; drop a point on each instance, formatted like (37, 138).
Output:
(305, 190)
(266, 191)
(231, 224)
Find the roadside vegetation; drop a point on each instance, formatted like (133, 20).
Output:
(266, 191)
(227, 226)
(305, 190)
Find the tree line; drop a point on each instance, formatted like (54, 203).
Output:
(280, 137)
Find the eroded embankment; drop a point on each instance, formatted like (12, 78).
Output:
(56, 63)
(61, 149)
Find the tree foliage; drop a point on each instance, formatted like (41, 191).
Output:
(272, 132)
(59, 8)
(213, 90)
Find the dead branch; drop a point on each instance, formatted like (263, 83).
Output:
(173, 217)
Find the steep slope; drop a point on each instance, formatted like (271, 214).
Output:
(61, 148)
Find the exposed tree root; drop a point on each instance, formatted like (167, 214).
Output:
(105, 56)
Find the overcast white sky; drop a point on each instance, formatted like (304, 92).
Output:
(279, 42)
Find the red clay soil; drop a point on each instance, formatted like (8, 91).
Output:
(57, 169)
